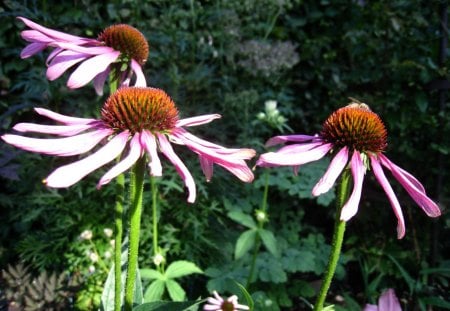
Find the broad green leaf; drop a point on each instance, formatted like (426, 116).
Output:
(269, 241)
(151, 274)
(244, 243)
(154, 291)
(176, 292)
(243, 219)
(168, 306)
(181, 268)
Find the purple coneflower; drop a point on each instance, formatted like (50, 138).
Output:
(117, 45)
(139, 120)
(356, 136)
(387, 302)
(217, 303)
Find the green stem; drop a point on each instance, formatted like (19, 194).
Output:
(118, 216)
(338, 238)
(257, 243)
(136, 191)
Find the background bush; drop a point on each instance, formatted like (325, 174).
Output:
(230, 57)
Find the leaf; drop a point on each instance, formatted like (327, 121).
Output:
(269, 241)
(154, 291)
(168, 306)
(151, 274)
(181, 268)
(437, 302)
(243, 219)
(408, 279)
(247, 296)
(244, 243)
(176, 292)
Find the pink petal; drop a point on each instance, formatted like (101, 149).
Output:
(32, 49)
(68, 146)
(68, 175)
(61, 130)
(413, 187)
(87, 70)
(182, 170)
(370, 307)
(334, 170)
(134, 154)
(199, 120)
(388, 301)
(99, 81)
(53, 33)
(140, 77)
(207, 167)
(285, 138)
(290, 156)
(379, 174)
(96, 49)
(149, 142)
(62, 118)
(62, 62)
(35, 36)
(358, 170)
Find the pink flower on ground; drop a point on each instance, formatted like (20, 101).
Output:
(142, 121)
(387, 302)
(355, 136)
(120, 47)
(217, 303)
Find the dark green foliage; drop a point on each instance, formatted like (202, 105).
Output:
(230, 57)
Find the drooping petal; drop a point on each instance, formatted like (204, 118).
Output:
(35, 36)
(93, 50)
(379, 174)
(199, 120)
(370, 307)
(388, 301)
(134, 154)
(207, 167)
(149, 143)
(182, 170)
(68, 175)
(32, 49)
(334, 170)
(358, 170)
(53, 33)
(140, 77)
(413, 187)
(63, 118)
(67, 146)
(87, 70)
(62, 62)
(99, 81)
(288, 157)
(276, 140)
(61, 130)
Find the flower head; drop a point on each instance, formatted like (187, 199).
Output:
(140, 121)
(356, 137)
(86, 235)
(387, 302)
(217, 303)
(119, 46)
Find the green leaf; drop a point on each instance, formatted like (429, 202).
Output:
(247, 296)
(154, 291)
(168, 306)
(243, 219)
(176, 292)
(408, 279)
(181, 268)
(244, 243)
(436, 301)
(151, 274)
(269, 241)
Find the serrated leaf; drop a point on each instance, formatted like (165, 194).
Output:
(154, 291)
(269, 241)
(168, 306)
(151, 274)
(176, 292)
(244, 243)
(243, 219)
(181, 268)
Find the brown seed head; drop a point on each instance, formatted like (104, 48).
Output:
(126, 39)
(136, 109)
